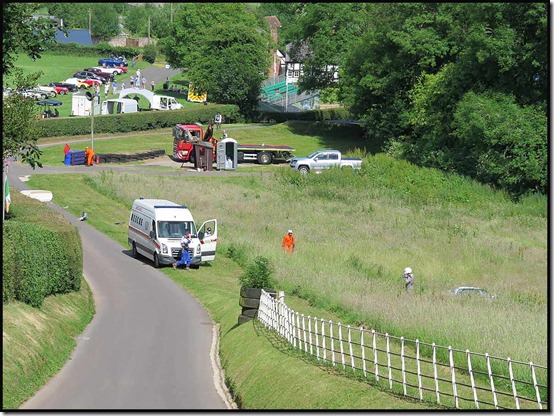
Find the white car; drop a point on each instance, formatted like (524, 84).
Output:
(49, 90)
(117, 71)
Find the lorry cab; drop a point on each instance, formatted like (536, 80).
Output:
(156, 227)
(184, 137)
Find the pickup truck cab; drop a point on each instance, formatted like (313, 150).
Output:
(324, 159)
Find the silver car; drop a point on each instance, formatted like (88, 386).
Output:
(470, 290)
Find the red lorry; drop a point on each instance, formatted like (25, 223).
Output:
(185, 135)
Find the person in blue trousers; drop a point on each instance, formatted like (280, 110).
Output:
(185, 256)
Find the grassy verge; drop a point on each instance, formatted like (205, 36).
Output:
(38, 341)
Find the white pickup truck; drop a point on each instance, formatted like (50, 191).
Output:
(324, 159)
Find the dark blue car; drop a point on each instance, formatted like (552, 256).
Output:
(112, 62)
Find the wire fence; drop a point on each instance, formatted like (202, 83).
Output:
(446, 376)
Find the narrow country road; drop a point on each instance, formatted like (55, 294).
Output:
(151, 345)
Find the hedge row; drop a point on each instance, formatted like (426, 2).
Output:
(100, 50)
(141, 121)
(42, 253)
(312, 115)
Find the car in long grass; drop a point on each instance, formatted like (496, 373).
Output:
(470, 290)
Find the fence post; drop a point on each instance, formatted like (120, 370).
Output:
(536, 385)
(316, 338)
(310, 335)
(513, 382)
(292, 327)
(375, 362)
(388, 359)
(491, 378)
(298, 333)
(435, 373)
(332, 342)
(304, 333)
(341, 346)
(351, 355)
(470, 369)
(418, 371)
(403, 365)
(323, 339)
(363, 351)
(453, 373)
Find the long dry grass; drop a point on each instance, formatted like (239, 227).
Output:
(356, 231)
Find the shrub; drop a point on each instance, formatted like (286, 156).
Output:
(312, 115)
(258, 274)
(149, 54)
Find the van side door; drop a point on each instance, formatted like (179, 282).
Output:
(208, 242)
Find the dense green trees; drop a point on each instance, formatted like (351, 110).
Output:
(421, 75)
(223, 49)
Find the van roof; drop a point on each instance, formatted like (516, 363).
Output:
(157, 203)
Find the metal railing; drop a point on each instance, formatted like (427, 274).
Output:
(446, 376)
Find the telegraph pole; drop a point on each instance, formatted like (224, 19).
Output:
(90, 22)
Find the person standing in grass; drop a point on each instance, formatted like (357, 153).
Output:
(114, 86)
(408, 277)
(288, 242)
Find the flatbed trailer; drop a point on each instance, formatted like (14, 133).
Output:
(264, 154)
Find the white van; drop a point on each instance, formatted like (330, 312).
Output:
(156, 227)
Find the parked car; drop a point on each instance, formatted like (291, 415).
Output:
(112, 62)
(79, 83)
(90, 75)
(70, 87)
(122, 68)
(50, 90)
(324, 159)
(99, 72)
(470, 290)
(34, 94)
(108, 69)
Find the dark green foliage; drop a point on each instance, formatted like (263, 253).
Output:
(42, 253)
(100, 50)
(141, 121)
(257, 274)
(149, 54)
(312, 115)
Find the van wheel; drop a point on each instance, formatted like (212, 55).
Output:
(135, 252)
(156, 261)
(264, 158)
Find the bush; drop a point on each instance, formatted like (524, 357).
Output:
(42, 253)
(150, 52)
(312, 115)
(258, 274)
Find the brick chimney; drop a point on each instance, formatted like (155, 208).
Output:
(274, 24)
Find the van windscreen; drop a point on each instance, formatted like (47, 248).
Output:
(175, 229)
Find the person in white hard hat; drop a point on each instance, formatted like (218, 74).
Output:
(408, 277)
(288, 242)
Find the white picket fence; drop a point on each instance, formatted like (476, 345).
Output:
(433, 373)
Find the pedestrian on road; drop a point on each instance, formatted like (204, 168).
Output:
(152, 85)
(137, 78)
(144, 82)
(288, 242)
(132, 81)
(107, 88)
(114, 87)
(122, 86)
(185, 256)
(408, 277)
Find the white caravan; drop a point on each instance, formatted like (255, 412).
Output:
(156, 227)
(157, 102)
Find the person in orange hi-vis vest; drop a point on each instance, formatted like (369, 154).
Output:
(288, 242)
(89, 154)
